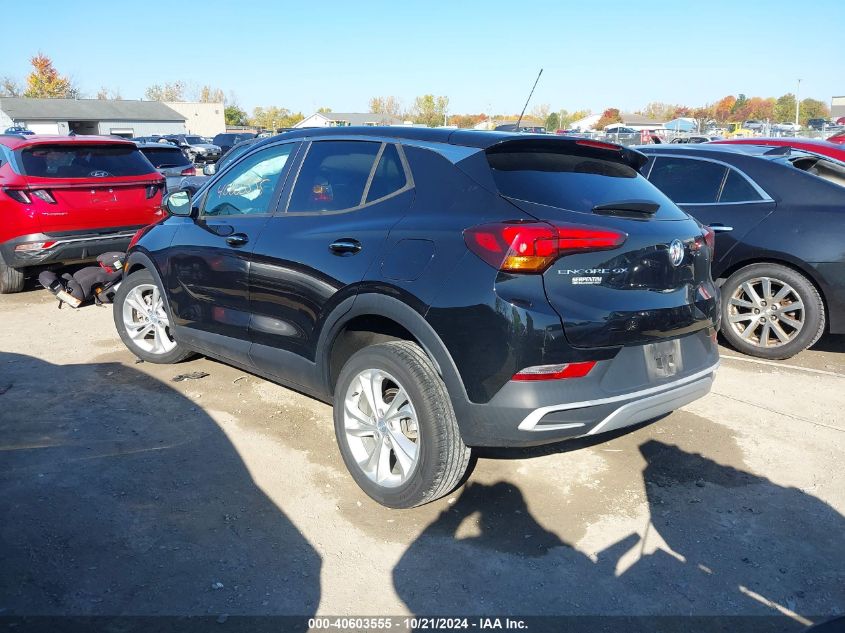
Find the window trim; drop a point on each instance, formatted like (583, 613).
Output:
(409, 180)
(764, 197)
(277, 192)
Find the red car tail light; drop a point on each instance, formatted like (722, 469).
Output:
(18, 195)
(531, 247)
(152, 190)
(189, 171)
(710, 239)
(556, 372)
(44, 195)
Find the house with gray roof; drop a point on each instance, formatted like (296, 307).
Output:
(344, 119)
(126, 118)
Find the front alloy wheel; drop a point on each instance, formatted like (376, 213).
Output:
(146, 321)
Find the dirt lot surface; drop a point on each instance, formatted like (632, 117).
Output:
(124, 492)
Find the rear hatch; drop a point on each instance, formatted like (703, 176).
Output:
(78, 186)
(650, 282)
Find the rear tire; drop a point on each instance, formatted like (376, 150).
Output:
(11, 279)
(142, 318)
(410, 451)
(771, 311)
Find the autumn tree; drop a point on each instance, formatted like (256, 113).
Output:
(466, 120)
(723, 108)
(207, 94)
(171, 91)
(386, 105)
(430, 110)
(273, 117)
(45, 82)
(324, 110)
(611, 115)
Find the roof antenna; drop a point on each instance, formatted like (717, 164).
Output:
(519, 120)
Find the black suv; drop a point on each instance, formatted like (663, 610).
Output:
(443, 289)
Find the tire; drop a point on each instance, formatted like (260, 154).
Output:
(151, 340)
(11, 279)
(742, 309)
(398, 369)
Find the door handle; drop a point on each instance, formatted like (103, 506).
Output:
(721, 228)
(345, 246)
(237, 239)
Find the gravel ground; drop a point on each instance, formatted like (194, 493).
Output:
(124, 492)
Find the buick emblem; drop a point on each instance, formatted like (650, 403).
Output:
(99, 174)
(676, 252)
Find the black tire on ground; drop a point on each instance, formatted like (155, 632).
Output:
(11, 279)
(813, 311)
(443, 458)
(177, 354)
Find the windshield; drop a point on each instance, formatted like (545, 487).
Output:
(83, 161)
(827, 169)
(194, 140)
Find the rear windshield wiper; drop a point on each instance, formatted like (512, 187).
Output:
(627, 207)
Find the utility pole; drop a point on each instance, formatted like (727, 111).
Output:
(797, 101)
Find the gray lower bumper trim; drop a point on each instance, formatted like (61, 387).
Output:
(649, 403)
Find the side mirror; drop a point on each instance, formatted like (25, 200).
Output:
(209, 169)
(183, 144)
(178, 203)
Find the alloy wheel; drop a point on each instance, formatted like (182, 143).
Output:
(381, 428)
(766, 312)
(146, 320)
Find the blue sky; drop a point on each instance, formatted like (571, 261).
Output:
(483, 55)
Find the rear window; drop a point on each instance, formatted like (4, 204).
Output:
(162, 157)
(573, 182)
(83, 161)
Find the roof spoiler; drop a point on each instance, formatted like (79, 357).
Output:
(783, 150)
(577, 146)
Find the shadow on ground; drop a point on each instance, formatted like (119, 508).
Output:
(121, 497)
(717, 540)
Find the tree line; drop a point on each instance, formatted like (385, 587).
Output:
(44, 81)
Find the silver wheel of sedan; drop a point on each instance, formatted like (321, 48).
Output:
(145, 320)
(381, 428)
(766, 312)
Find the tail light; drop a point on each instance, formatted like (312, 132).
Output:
(556, 372)
(710, 239)
(152, 190)
(531, 247)
(43, 194)
(18, 195)
(189, 171)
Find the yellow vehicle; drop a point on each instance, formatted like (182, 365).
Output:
(736, 130)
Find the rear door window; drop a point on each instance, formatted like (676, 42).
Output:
(83, 161)
(571, 181)
(165, 157)
(333, 176)
(389, 176)
(738, 189)
(687, 180)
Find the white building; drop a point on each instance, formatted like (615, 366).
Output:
(205, 119)
(91, 116)
(837, 107)
(344, 119)
(587, 123)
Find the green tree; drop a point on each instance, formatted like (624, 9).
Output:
(324, 110)
(171, 91)
(784, 111)
(234, 115)
(45, 82)
(552, 122)
(739, 104)
(273, 117)
(430, 110)
(813, 109)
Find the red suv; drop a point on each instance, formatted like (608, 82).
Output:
(66, 199)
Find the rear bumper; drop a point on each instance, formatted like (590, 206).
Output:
(68, 248)
(619, 392)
